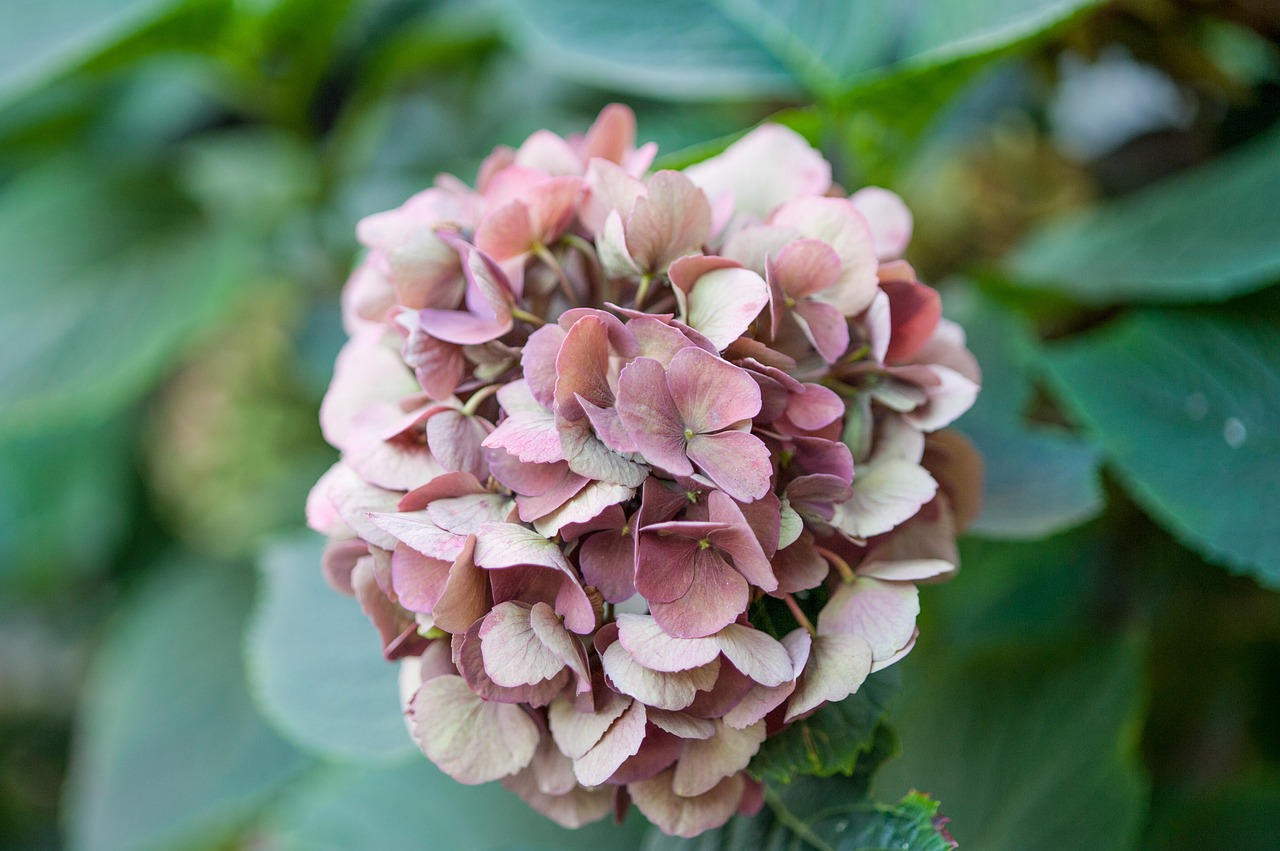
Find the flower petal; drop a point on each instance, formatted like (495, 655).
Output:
(676, 815)
(764, 168)
(736, 461)
(724, 302)
(838, 665)
(706, 762)
(882, 613)
(663, 689)
(649, 645)
(471, 740)
(650, 415)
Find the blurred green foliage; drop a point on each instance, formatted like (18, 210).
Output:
(179, 183)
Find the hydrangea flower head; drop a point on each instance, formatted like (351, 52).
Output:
(594, 422)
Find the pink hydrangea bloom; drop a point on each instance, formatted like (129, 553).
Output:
(594, 420)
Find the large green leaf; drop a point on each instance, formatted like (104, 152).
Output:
(103, 277)
(40, 39)
(822, 815)
(1031, 749)
(832, 740)
(1187, 407)
(50, 483)
(763, 48)
(1243, 816)
(1206, 235)
(315, 662)
(169, 748)
(417, 806)
(1038, 478)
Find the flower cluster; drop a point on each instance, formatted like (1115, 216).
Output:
(606, 433)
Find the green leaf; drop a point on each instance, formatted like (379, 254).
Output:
(104, 277)
(832, 740)
(1038, 478)
(1242, 816)
(1027, 749)
(417, 806)
(315, 662)
(1187, 406)
(1205, 235)
(169, 747)
(820, 814)
(689, 49)
(49, 483)
(38, 40)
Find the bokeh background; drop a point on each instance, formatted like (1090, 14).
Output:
(1096, 188)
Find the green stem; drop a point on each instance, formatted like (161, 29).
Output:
(479, 396)
(842, 567)
(792, 823)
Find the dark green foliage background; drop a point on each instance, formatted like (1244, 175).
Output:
(179, 183)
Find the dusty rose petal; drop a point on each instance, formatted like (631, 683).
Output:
(756, 654)
(838, 665)
(571, 809)
(708, 761)
(607, 559)
(736, 461)
(839, 224)
(619, 742)
(709, 392)
(888, 217)
(764, 168)
(658, 651)
(885, 494)
(882, 613)
(665, 690)
(724, 303)
(471, 740)
(367, 370)
(586, 504)
(513, 653)
(671, 220)
(682, 724)
(455, 440)
(687, 817)
(717, 595)
(649, 413)
(465, 597)
(538, 359)
(418, 580)
(575, 732)
(824, 326)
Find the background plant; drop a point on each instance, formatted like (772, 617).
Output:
(1093, 187)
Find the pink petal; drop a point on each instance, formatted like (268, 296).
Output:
(506, 232)
(612, 135)
(664, 689)
(653, 648)
(706, 762)
(768, 166)
(607, 560)
(824, 326)
(538, 359)
(576, 733)
(687, 817)
(717, 595)
(664, 567)
(838, 223)
(682, 724)
(739, 542)
(607, 188)
(551, 207)
(888, 217)
(915, 310)
(418, 580)
(571, 809)
(456, 326)
(367, 371)
(756, 654)
(513, 653)
(815, 408)
(438, 365)
(466, 593)
(885, 493)
(838, 665)
(736, 461)
(657, 339)
(805, 267)
(585, 505)
(471, 740)
(881, 613)
(463, 515)
(545, 151)
(620, 741)
(672, 220)
(455, 440)
(723, 304)
(709, 392)
(650, 415)
(529, 434)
